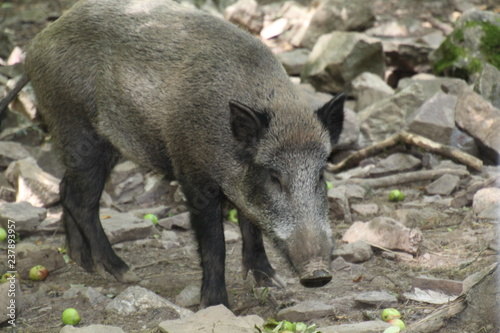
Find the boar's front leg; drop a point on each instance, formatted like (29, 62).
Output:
(254, 255)
(88, 160)
(205, 206)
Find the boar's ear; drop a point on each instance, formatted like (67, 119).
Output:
(247, 125)
(332, 116)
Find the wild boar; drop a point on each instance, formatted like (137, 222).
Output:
(192, 96)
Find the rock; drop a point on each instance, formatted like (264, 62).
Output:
(91, 329)
(465, 197)
(92, 296)
(179, 221)
(29, 255)
(485, 198)
(246, 14)
(26, 217)
(24, 103)
(469, 47)
(293, 61)
(212, 319)
(365, 209)
(231, 236)
(354, 252)
(11, 301)
(407, 55)
(435, 119)
(120, 227)
(419, 218)
(32, 184)
(433, 39)
(463, 142)
(373, 326)
(444, 185)
(305, 311)
(368, 89)
(125, 182)
(385, 232)
(431, 84)
(395, 163)
(274, 29)
(488, 85)
(11, 151)
(448, 287)
(189, 296)
(481, 120)
(388, 116)
(381, 299)
(350, 132)
(137, 299)
(334, 15)
(338, 57)
(155, 188)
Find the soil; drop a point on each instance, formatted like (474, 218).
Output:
(450, 250)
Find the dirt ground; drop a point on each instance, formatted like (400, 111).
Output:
(451, 245)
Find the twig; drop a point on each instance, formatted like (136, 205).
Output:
(402, 178)
(411, 139)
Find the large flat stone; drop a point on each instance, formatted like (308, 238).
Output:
(305, 311)
(91, 329)
(373, 326)
(120, 227)
(25, 217)
(212, 319)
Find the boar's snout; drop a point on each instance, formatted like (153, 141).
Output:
(315, 274)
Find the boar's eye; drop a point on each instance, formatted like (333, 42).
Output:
(275, 179)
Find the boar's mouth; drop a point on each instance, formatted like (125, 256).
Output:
(315, 274)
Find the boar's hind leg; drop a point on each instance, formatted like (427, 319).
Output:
(254, 255)
(205, 208)
(88, 161)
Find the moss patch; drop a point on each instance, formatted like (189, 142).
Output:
(490, 44)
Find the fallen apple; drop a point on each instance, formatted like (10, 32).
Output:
(152, 217)
(396, 195)
(38, 273)
(398, 323)
(7, 276)
(390, 314)
(70, 316)
(3, 234)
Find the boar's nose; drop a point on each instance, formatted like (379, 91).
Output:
(317, 278)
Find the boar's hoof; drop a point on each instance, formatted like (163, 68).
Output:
(317, 278)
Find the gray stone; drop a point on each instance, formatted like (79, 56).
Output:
(91, 295)
(444, 185)
(448, 287)
(338, 57)
(231, 236)
(365, 209)
(125, 182)
(246, 14)
(471, 33)
(433, 39)
(431, 84)
(407, 54)
(485, 198)
(385, 232)
(388, 116)
(488, 85)
(26, 217)
(120, 227)
(212, 319)
(178, 221)
(155, 188)
(189, 296)
(137, 299)
(491, 213)
(29, 255)
(10, 307)
(350, 132)
(435, 119)
(32, 184)
(368, 89)
(354, 252)
(463, 142)
(11, 151)
(293, 61)
(380, 299)
(306, 310)
(91, 329)
(418, 218)
(481, 120)
(373, 326)
(395, 163)
(334, 15)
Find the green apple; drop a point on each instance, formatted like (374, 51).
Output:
(152, 217)
(3, 234)
(70, 317)
(38, 273)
